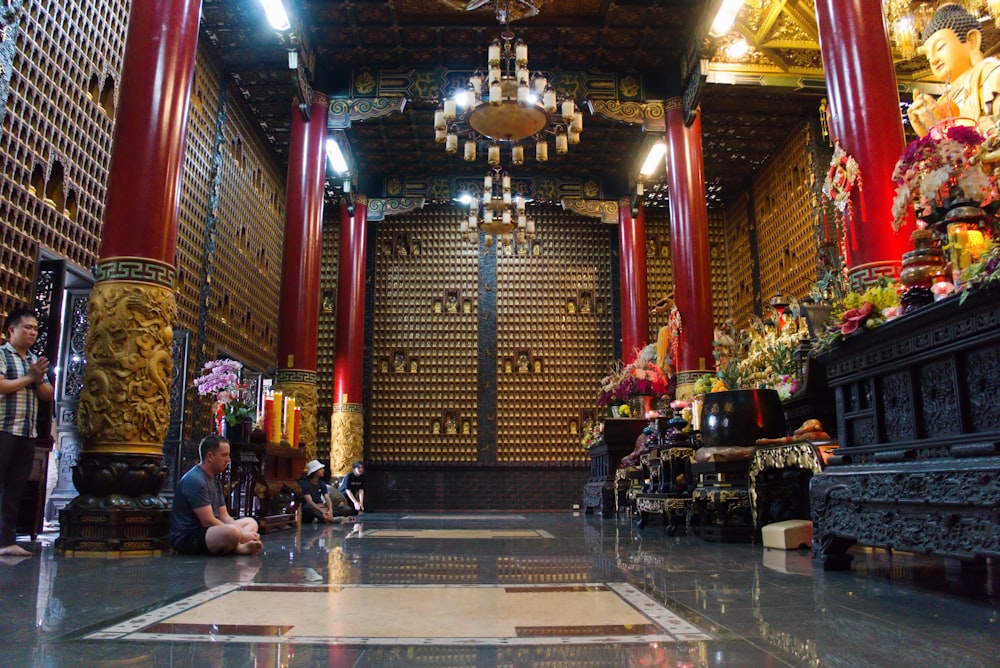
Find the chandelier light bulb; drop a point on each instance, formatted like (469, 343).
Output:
(493, 56)
(517, 154)
(542, 151)
(470, 150)
(487, 186)
(541, 83)
(577, 124)
(440, 135)
(495, 96)
(450, 109)
(573, 137)
(549, 100)
(451, 143)
(568, 110)
(506, 182)
(562, 142)
(521, 52)
(439, 122)
(493, 155)
(476, 81)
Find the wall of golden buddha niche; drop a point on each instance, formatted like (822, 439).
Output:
(554, 337)
(55, 141)
(326, 350)
(248, 217)
(659, 266)
(425, 346)
(786, 201)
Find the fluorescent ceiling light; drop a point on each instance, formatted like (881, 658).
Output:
(336, 157)
(653, 158)
(725, 17)
(276, 14)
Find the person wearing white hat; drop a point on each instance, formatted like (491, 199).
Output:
(316, 504)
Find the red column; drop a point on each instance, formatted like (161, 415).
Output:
(297, 340)
(140, 213)
(865, 119)
(347, 442)
(124, 408)
(689, 245)
(132, 307)
(632, 267)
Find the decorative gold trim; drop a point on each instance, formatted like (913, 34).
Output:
(606, 210)
(799, 455)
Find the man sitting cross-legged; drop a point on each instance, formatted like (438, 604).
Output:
(199, 521)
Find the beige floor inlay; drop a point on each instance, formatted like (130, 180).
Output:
(407, 614)
(452, 534)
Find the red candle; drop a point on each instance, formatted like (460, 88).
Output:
(295, 441)
(268, 415)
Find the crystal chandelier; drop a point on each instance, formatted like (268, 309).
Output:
(508, 104)
(498, 213)
(908, 18)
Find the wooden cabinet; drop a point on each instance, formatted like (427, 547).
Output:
(619, 440)
(262, 483)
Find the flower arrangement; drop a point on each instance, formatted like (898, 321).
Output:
(762, 356)
(641, 376)
(220, 379)
(594, 438)
(857, 311)
(938, 170)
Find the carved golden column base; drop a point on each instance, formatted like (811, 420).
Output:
(347, 437)
(124, 412)
(302, 386)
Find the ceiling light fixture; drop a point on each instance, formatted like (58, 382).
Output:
(508, 104)
(725, 17)
(499, 212)
(653, 159)
(336, 156)
(276, 14)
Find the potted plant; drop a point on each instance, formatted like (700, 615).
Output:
(234, 410)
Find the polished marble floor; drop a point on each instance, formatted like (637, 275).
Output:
(493, 590)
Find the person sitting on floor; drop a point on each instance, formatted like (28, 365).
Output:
(199, 520)
(318, 504)
(353, 486)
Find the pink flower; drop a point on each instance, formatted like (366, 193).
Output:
(852, 319)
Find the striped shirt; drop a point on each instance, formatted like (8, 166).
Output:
(18, 410)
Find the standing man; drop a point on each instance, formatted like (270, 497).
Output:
(23, 382)
(199, 520)
(353, 486)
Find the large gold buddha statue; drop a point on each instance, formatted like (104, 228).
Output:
(953, 45)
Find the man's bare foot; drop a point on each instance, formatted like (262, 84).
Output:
(14, 551)
(347, 519)
(251, 547)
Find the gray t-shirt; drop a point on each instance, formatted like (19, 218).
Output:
(195, 490)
